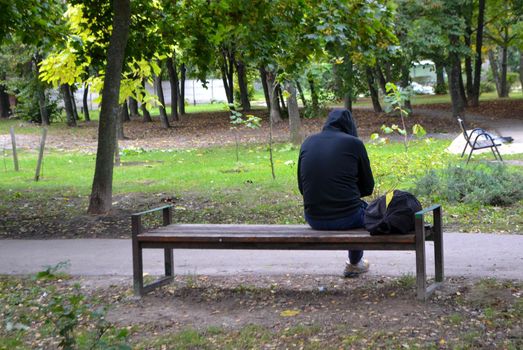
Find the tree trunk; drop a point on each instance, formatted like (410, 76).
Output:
(474, 98)
(159, 92)
(102, 190)
(228, 92)
(85, 105)
(227, 69)
(263, 77)
(119, 122)
(347, 101)
(42, 100)
(504, 63)
(468, 11)
(462, 87)
(68, 105)
(302, 95)
(125, 113)
(405, 83)
(294, 114)
(173, 80)
(133, 108)
(243, 86)
(373, 91)
(281, 99)
(273, 96)
(521, 69)
(495, 72)
(441, 87)
(146, 115)
(5, 107)
(230, 74)
(338, 83)
(315, 104)
(388, 71)
(348, 82)
(382, 82)
(73, 102)
(470, 78)
(455, 71)
(42, 103)
(183, 71)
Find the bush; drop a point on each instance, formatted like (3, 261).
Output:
(441, 89)
(512, 79)
(28, 107)
(487, 86)
(484, 184)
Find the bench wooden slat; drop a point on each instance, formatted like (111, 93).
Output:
(276, 234)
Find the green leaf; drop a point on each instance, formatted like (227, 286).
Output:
(418, 130)
(386, 129)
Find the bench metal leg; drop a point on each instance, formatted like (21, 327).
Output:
(168, 253)
(438, 246)
(470, 155)
(464, 149)
(422, 290)
(169, 262)
(137, 257)
(499, 154)
(421, 273)
(139, 288)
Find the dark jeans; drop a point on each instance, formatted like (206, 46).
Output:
(352, 221)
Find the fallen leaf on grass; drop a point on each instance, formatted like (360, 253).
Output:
(289, 313)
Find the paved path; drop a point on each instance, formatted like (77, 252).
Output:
(472, 255)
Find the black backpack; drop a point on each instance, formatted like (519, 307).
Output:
(396, 218)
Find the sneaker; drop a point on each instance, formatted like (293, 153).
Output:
(352, 271)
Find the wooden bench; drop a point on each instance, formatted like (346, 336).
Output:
(292, 237)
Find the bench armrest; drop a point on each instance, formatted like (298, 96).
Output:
(152, 210)
(436, 227)
(136, 218)
(426, 210)
(488, 137)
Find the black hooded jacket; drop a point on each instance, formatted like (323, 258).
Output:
(333, 169)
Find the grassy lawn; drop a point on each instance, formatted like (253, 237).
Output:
(436, 99)
(241, 191)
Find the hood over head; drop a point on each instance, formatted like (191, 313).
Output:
(341, 120)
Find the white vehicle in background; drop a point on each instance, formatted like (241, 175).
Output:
(419, 89)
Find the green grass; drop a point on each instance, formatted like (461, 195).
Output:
(228, 191)
(209, 170)
(437, 99)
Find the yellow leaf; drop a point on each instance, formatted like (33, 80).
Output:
(388, 198)
(289, 313)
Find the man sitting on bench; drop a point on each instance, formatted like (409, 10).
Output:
(333, 174)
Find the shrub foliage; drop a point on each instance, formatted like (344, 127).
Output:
(486, 184)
